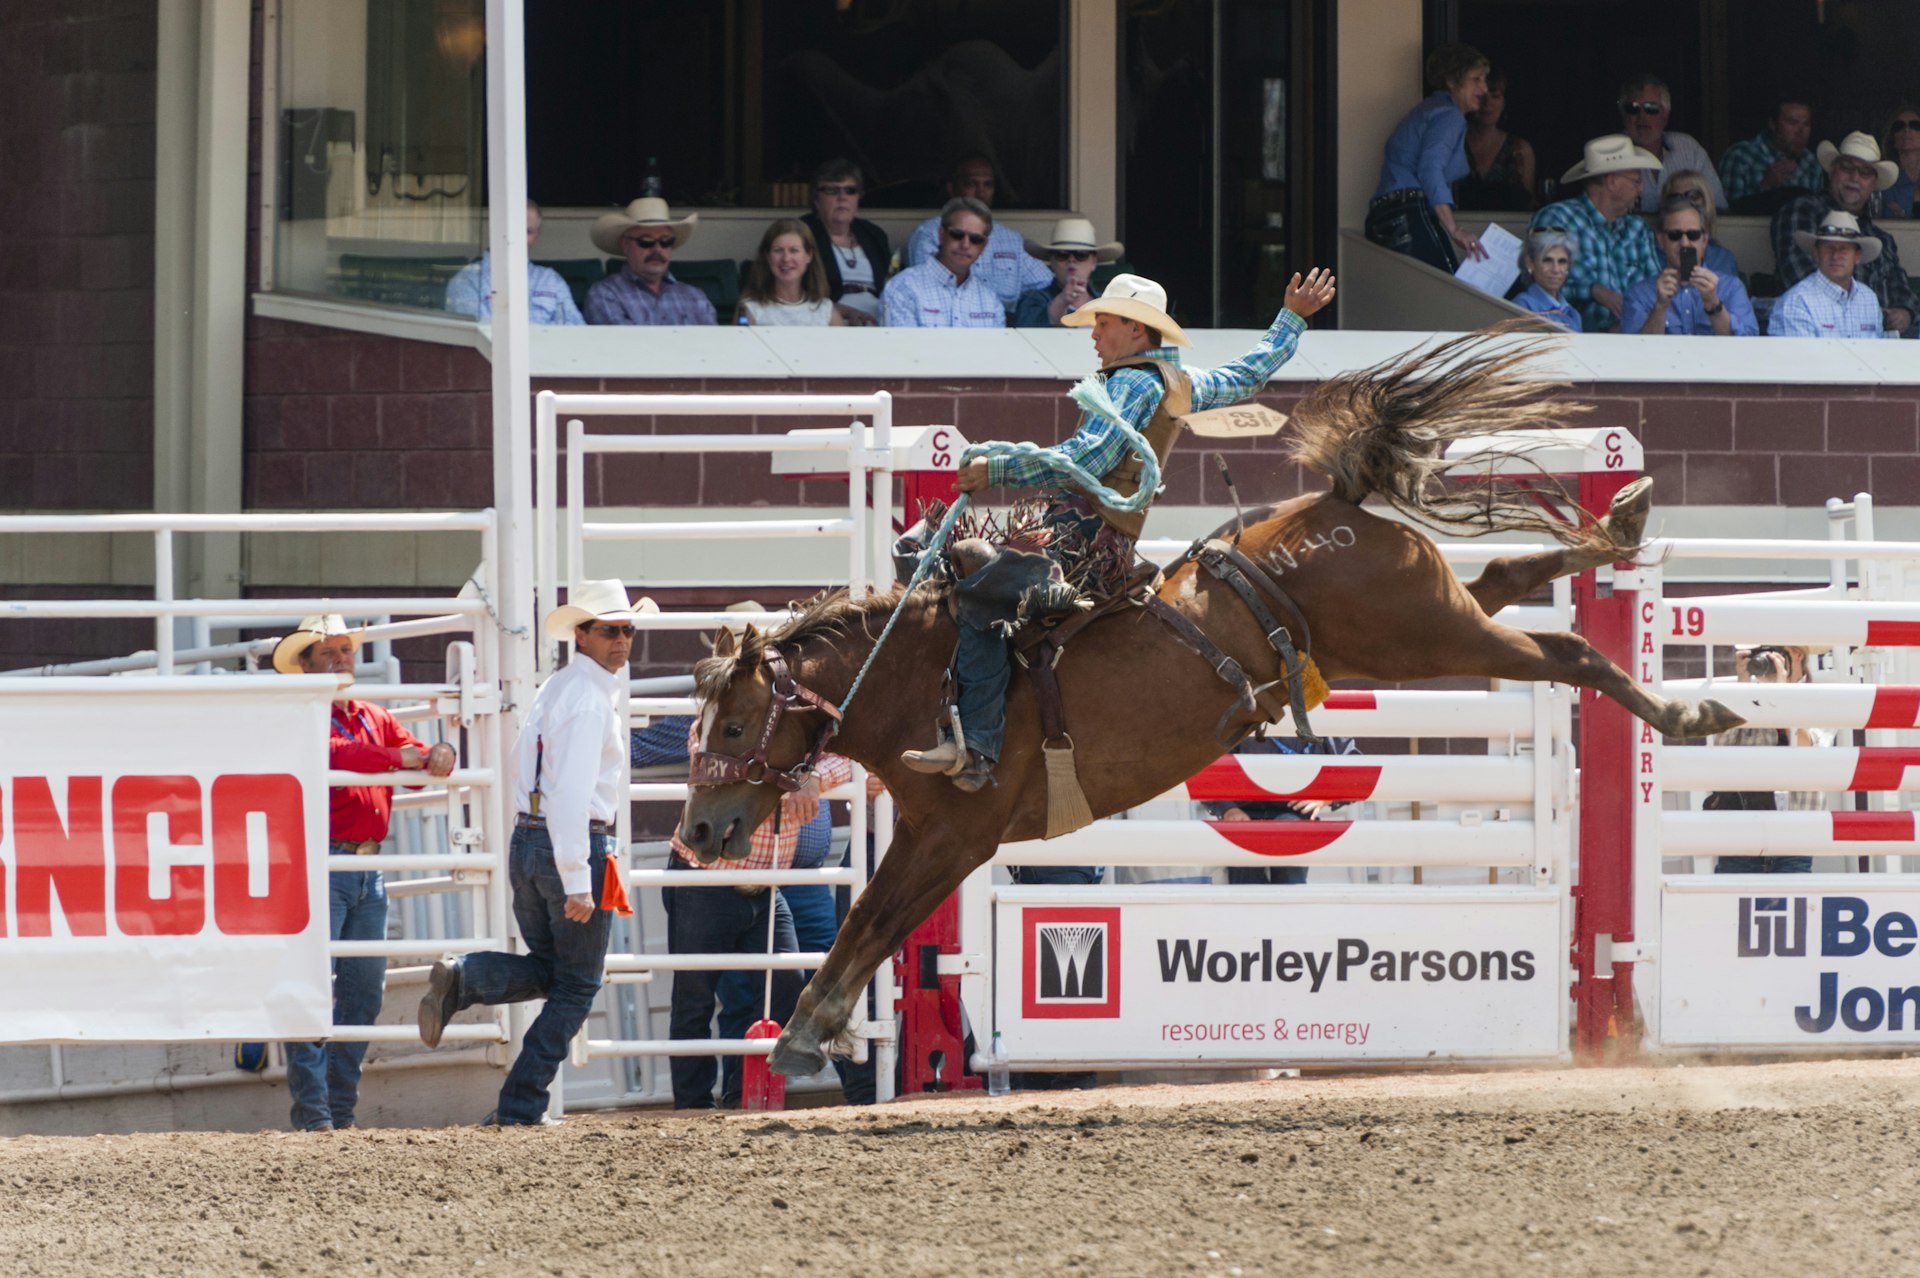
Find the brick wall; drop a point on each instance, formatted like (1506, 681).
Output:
(76, 255)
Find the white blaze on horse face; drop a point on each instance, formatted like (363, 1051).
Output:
(708, 713)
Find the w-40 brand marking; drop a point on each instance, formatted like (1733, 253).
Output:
(1338, 537)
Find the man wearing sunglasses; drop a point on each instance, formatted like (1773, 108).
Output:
(567, 882)
(645, 292)
(1854, 172)
(1686, 299)
(1004, 264)
(1645, 107)
(946, 291)
(1071, 253)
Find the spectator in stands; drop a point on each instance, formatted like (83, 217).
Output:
(566, 767)
(1005, 266)
(1687, 299)
(1854, 172)
(323, 1079)
(1645, 106)
(855, 251)
(1279, 810)
(1775, 164)
(1689, 185)
(1071, 252)
(1903, 144)
(645, 292)
(1835, 300)
(1499, 165)
(549, 300)
(786, 285)
(1613, 247)
(1412, 207)
(945, 291)
(1767, 663)
(1547, 256)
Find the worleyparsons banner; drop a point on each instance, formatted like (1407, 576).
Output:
(1790, 960)
(1273, 974)
(163, 859)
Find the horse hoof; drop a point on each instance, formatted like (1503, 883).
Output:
(1711, 718)
(794, 1060)
(1627, 518)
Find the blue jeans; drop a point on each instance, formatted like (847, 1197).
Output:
(718, 920)
(564, 964)
(1763, 865)
(324, 1078)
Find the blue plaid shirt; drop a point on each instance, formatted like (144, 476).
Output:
(928, 296)
(1097, 447)
(1005, 265)
(1744, 167)
(1817, 307)
(1610, 254)
(622, 299)
(549, 300)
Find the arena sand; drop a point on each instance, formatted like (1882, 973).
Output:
(1804, 1168)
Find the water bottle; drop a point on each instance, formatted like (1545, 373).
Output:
(652, 184)
(998, 1083)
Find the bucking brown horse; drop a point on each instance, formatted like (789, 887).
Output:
(1143, 709)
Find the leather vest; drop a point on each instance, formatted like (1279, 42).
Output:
(1161, 433)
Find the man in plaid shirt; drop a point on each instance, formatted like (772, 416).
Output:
(1136, 341)
(1616, 248)
(1854, 172)
(1778, 158)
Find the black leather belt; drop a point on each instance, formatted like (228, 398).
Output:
(527, 821)
(368, 848)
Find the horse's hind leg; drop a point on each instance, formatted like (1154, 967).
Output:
(1566, 658)
(1508, 581)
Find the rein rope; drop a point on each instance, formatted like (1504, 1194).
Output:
(1090, 393)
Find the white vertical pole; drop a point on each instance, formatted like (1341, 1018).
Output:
(857, 475)
(163, 593)
(576, 500)
(512, 411)
(882, 480)
(547, 592)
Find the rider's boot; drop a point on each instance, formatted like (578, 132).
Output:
(969, 774)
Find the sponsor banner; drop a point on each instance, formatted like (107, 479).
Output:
(1258, 974)
(163, 860)
(1790, 961)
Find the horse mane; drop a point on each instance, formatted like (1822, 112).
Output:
(828, 616)
(1385, 429)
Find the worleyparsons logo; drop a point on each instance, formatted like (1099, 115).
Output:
(1072, 962)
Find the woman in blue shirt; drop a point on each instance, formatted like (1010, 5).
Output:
(1412, 208)
(1548, 257)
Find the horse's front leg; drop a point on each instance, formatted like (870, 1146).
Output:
(921, 868)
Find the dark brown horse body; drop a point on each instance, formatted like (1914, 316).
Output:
(1142, 708)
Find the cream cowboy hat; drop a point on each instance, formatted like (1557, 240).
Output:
(1840, 228)
(1133, 297)
(648, 210)
(286, 653)
(595, 601)
(1861, 147)
(1075, 234)
(1613, 153)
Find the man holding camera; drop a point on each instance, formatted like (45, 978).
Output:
(1686, 299)
(1767, 663)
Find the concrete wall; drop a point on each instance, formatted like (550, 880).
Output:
(1380, 80)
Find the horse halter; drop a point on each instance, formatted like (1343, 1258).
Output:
(711, 769)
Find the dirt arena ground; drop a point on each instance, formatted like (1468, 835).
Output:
(1747, 1170)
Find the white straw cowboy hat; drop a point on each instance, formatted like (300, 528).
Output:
(286, 653)
(1612, 153)
(1132, 297)
(1075, 234)
(1840, 228)
(648, 210)
(595, 601)
(1861, 147)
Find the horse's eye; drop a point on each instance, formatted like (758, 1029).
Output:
(733, 730)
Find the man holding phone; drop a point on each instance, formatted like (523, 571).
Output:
(1686, 299)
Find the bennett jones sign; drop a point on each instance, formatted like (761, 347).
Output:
(162, 872)
(1805, 968)
(1283, 977)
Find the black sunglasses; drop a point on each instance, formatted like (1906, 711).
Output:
(1642, 108)
(1901, 126)
(647, 242)
(955, 234)
(607, 630)
(1071, 255)
(1677, 236)
(845, 189)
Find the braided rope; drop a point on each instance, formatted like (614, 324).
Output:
(1091, 394)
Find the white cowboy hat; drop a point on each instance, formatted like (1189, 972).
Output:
(1841, 228)
(648, 210)
(286, 653)
(1613, 153)
(1133, 297)
(1075, 234)
(1862, 147)
(595, 601)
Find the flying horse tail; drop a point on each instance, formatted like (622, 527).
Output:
(1384, 430)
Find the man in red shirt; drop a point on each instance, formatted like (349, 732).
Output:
(324, 1078)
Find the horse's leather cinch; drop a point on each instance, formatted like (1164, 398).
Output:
(1248, 580)
(709, 768)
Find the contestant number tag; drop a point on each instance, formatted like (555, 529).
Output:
(1239, 421)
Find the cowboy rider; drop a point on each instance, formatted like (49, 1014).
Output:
(1136, 340)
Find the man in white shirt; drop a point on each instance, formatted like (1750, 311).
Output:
(947, 291)
(1005, 266)
(549, 300)
(566, 878)
(1646, 104)
(1831, 302)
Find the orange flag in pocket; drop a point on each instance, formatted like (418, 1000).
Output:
(613, 889)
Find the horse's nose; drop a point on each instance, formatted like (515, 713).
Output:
(699, 837)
